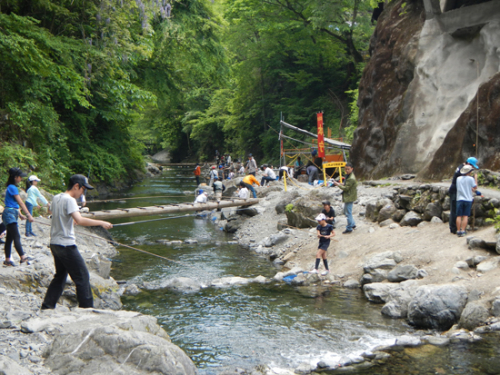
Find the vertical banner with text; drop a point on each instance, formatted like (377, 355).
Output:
(321, 136)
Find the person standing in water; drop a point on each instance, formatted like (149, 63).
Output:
(32, 201)
(197, 173)
(10, 214)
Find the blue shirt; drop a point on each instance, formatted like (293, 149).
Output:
(10, 201)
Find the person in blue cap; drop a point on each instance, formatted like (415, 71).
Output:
(472, 161)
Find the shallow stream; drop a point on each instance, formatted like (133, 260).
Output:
(245, 326)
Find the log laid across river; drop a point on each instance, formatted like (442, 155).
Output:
(167, 209)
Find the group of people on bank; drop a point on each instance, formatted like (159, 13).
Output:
(65, 213)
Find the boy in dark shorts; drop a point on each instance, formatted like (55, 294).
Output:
(325, 232)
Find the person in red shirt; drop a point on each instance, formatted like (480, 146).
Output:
(197, 173)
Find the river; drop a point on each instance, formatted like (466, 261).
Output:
(245, 326)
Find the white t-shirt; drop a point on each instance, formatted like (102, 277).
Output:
(270, 173)
(243, 194)
(464, 188)
(202, 198)
(62, 231)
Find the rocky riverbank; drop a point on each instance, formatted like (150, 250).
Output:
(70, 340)
(401, 255)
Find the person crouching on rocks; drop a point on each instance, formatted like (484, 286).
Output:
(325, 232)
(466, 185)
(202, 197)
(67, 258)
(10, 213)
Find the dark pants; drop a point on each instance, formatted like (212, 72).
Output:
(453, 213)
(13, 236)
(265, 179)
(313, 175)
(67, 260)
(252, 173)
(250, 187)
(197, 180)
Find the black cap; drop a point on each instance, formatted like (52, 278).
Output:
(17, 172)
(326, 202)
(250, 155)
(80, 180)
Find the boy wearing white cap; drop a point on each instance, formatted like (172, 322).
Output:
(32, 201)
(325, 232)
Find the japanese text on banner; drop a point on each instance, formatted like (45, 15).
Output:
(321, 136)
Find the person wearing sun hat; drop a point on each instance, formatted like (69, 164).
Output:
(32, 201)
(13, 203)
(472, 161)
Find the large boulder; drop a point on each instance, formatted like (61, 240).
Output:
(89, 341)
(378, 292)
(287, 198)
(386, 260)
(233, 224)
(474, 315)
(10, 367)
(411, 219)
(371, 212)
(401, 273)
(437, 306)
(399, 298)
(303, 213)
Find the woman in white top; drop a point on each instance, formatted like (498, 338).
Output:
(32, 201)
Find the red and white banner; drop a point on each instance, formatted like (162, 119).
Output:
(321, 136)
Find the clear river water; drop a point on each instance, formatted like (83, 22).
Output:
(273, 324)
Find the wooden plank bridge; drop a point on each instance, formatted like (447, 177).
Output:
(167, 209)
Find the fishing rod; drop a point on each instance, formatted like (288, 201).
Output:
(114, 243)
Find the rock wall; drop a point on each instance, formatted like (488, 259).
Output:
(417, 93)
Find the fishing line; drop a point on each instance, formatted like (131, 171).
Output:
(154, 196)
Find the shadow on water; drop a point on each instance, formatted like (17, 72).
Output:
(244, 326)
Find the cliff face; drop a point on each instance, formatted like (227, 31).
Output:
(419, 88)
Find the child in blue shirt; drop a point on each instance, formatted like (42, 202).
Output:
(325, 232)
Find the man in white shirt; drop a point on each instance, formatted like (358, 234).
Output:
(269, 175)
(67, 258)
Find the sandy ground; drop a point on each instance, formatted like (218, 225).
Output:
(430, 247)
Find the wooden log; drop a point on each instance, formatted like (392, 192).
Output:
(167, 209)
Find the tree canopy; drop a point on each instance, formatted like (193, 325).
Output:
(86, 84)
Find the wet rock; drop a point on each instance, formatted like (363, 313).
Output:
(229, 281)
(436, 340)
(233, 225)
(190, 242)
(474, 315)
(401, 273)
(351, 284)
(131, 290)
(183, 284)
(437, 306)
(411, 219)
(261, 280)
(304, 368)
(378, 292)
(408, 341)
(488, 265)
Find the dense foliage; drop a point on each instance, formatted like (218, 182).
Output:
(86, 84)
